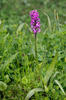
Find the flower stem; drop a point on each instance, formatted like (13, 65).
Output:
(35, 46)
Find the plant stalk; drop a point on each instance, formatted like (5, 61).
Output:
(35, 45)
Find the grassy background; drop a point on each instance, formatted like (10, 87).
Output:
(19, 71)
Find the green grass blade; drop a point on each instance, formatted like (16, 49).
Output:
(49, 21)
(32, 92)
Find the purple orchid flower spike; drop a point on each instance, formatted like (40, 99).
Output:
(35, 21)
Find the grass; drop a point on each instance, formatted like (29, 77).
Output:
(21, 76)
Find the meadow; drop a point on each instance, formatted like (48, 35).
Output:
(22, 75)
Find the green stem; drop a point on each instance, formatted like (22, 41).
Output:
(35, 45)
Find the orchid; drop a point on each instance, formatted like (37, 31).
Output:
(35, 25)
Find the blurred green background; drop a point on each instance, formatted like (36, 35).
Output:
(19, 9)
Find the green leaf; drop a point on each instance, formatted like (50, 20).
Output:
(60, 86)
(24, 80)
(3, 86)
(6, 78)
(8, 62)
(21, 26)
(56, 74)
(32, 92)
(50, 70)
(6, 37)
